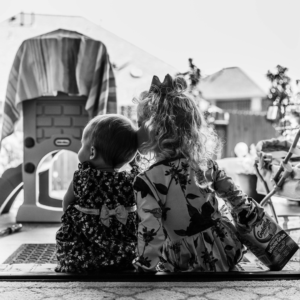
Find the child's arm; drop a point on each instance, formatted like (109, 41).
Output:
(245, 211)
(150, 231)
(69, 197)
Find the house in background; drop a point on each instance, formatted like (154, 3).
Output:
(232, 89)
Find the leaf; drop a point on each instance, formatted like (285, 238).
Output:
(192, 196)
(207, 209)
(141, 186)
(144, 261)
(164, 212)
(207, 238)
(180, 232)
(161, 188)
(228, 248)
(146, 191)
(192, 210)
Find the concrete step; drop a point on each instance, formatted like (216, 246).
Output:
(45, 272)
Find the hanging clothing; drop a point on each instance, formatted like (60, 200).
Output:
(60, 61)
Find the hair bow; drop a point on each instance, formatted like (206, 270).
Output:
(162, 88)
(119, 212)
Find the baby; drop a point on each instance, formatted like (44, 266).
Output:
(98, 230)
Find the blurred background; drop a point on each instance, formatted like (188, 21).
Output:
(241, 59)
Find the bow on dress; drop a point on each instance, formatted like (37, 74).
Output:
(162, 88)
(120, 212)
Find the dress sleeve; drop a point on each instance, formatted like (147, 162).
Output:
(245, 211)
(150, 229)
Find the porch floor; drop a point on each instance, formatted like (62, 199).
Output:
(44, 233)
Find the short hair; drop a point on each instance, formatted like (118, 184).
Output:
(114, 138)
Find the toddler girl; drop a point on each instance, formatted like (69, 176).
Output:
(181, 227)
(98, 230)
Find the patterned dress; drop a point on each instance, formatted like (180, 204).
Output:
(181, 227)
(83, 242)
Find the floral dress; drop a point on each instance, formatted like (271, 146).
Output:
(181, 227)
(83, 242)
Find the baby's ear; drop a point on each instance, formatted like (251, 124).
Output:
(92, 152)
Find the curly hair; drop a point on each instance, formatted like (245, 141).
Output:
(176, 126)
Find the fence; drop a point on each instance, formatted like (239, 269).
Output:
(247, 127)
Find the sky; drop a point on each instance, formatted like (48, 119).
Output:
(255, 35)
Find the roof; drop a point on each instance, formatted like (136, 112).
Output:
(229, 84)
(134, 67)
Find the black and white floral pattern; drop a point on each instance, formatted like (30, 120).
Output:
(181, 227)
(83, 242)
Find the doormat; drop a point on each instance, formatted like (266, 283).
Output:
(33, 253)
(46, 254)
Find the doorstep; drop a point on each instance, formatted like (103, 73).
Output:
(45, 272)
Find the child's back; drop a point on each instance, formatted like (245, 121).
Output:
(86, 242)
(185, 220)
(98, 229)
(180, 226)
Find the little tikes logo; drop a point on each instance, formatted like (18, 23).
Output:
(264, 230)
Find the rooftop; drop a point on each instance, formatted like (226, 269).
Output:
(230, 83)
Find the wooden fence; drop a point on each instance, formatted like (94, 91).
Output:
(247, 127)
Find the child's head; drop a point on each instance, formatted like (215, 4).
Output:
(171, 124)
(110, 138)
